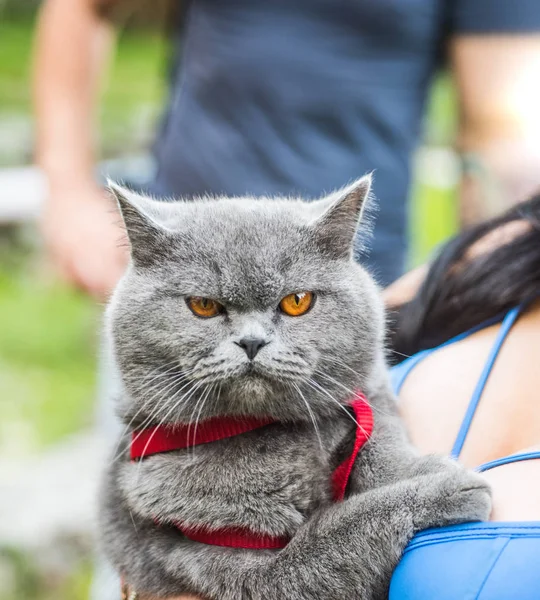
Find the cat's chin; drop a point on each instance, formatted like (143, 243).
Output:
(252, 384)
(252, 390)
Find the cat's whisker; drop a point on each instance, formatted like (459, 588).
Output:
(159, 369)
(176, 379)
(125, 429)
(163, 420)
(148, 401)
(216, 396)
(311, 414)
(318, 387)
(152, 416)
(160, 395)
(133, 521)
(156, 385)
(151, 377)
(207, 393)
(339, 363)
(200, 402)
(351, 392)
(398, 353)
(170, 384)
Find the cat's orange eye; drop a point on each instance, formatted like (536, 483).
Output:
(297, 304)
(204, 307)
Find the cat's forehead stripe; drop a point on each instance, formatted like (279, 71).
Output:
(240, 289)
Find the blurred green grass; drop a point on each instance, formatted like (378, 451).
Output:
(48, 340)
(134, 87)
(31, 585)
(47, 356)
(15, 49)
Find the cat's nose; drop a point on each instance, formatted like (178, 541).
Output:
(251, 346)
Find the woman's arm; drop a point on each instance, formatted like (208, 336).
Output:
(71, 50)
(497, 86)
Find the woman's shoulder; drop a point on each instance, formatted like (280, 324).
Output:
(436, 393)
(516, 489)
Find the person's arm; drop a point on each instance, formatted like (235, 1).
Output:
(498, 92)
(81, 232)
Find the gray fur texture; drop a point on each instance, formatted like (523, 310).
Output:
(176, 367)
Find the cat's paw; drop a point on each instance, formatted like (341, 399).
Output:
(457, 496)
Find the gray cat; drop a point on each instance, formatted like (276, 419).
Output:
(255, 309)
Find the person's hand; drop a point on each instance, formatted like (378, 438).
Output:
(83, 235)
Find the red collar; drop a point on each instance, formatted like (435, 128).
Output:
(166, 438)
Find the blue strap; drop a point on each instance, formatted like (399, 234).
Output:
(506, 325)
(509, 459)
(400, 372)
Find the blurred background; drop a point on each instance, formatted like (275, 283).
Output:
(49, 453)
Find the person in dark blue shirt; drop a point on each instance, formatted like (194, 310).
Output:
(293, 97)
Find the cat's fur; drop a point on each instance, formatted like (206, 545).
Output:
(248, 254)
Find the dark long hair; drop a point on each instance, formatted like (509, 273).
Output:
(464, 288)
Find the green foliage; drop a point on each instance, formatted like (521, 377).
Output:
(433, 208)
(47, 373)
(132, 98)
(15, 52)
(25, 581)
(441, 114)
(47, 355)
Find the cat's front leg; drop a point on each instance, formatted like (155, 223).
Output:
(388, 458)
(351, 549)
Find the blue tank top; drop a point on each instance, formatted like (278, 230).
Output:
(473, 561)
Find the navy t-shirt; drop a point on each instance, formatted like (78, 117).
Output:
(302, 96)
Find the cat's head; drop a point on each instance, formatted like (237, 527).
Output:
(243, 306)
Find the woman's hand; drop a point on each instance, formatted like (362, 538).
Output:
(84, 238)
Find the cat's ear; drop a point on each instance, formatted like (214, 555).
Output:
(147, 237)
(339, 216)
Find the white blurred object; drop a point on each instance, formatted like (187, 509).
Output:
(22, 192)
(50, 498)
(438, 166)
(23, 189)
